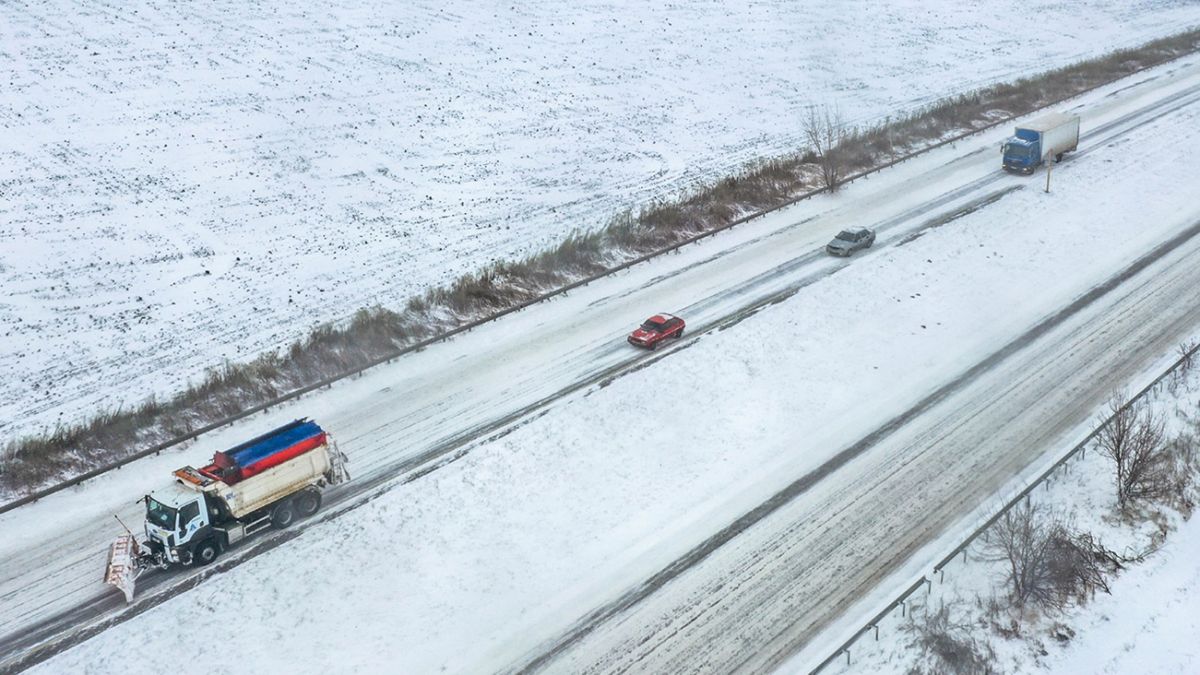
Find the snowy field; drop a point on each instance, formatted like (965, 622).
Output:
(468, 567)
(182, 184)
(1146, 624)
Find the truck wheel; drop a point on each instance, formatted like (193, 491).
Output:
(308, 502)
(282, 515)
(205, 553)
(1058, 157)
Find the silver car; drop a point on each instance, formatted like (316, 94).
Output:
(849, 241)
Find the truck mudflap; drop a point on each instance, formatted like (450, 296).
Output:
(124, 565)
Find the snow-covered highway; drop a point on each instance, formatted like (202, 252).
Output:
(416, 414)
(795, 563)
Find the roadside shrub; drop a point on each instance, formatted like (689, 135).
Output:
(947, 647)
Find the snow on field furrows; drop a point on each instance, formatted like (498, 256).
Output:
(182, 184)
(531, 530)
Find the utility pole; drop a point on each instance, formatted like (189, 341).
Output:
(1049, 168)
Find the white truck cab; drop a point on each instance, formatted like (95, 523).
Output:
(175, 518)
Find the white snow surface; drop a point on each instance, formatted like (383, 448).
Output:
(472, 564)
(1150, 623)
(183, 184)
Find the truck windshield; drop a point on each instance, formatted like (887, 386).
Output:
(1018, 151)
(160, 514)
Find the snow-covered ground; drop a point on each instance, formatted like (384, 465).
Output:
(182, 184)
(1147, 624)
(478, 562)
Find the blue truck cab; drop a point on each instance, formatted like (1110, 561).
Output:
(1023, 151)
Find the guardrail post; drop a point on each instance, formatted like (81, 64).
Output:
(847, 656)
(903, 608)
(941, 575)
(876, 627)
(928, 586)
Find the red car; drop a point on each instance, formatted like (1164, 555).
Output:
(657, 328)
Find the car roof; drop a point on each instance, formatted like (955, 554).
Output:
(856, 230)
(662, 317)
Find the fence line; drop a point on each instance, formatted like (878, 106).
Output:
(297, 393)
(939, 568)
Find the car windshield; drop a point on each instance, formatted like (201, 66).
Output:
(847, 235)
(160, 514)
(652, 326)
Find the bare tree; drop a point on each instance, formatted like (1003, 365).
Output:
(827, 133)
(1187, 360)
(1021, 539)
(1187, 356)
(1144, 467)
(1047, 563)
(1181, 373)
(1079, 564)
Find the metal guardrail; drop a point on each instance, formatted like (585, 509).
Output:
(939, 568)
(296, 393)
(872, 624)
(1079, 448)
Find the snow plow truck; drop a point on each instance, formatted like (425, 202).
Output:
(267, 482)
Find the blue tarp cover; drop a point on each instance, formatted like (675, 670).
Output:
(283, 438)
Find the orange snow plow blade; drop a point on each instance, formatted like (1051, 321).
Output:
(122, 569)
